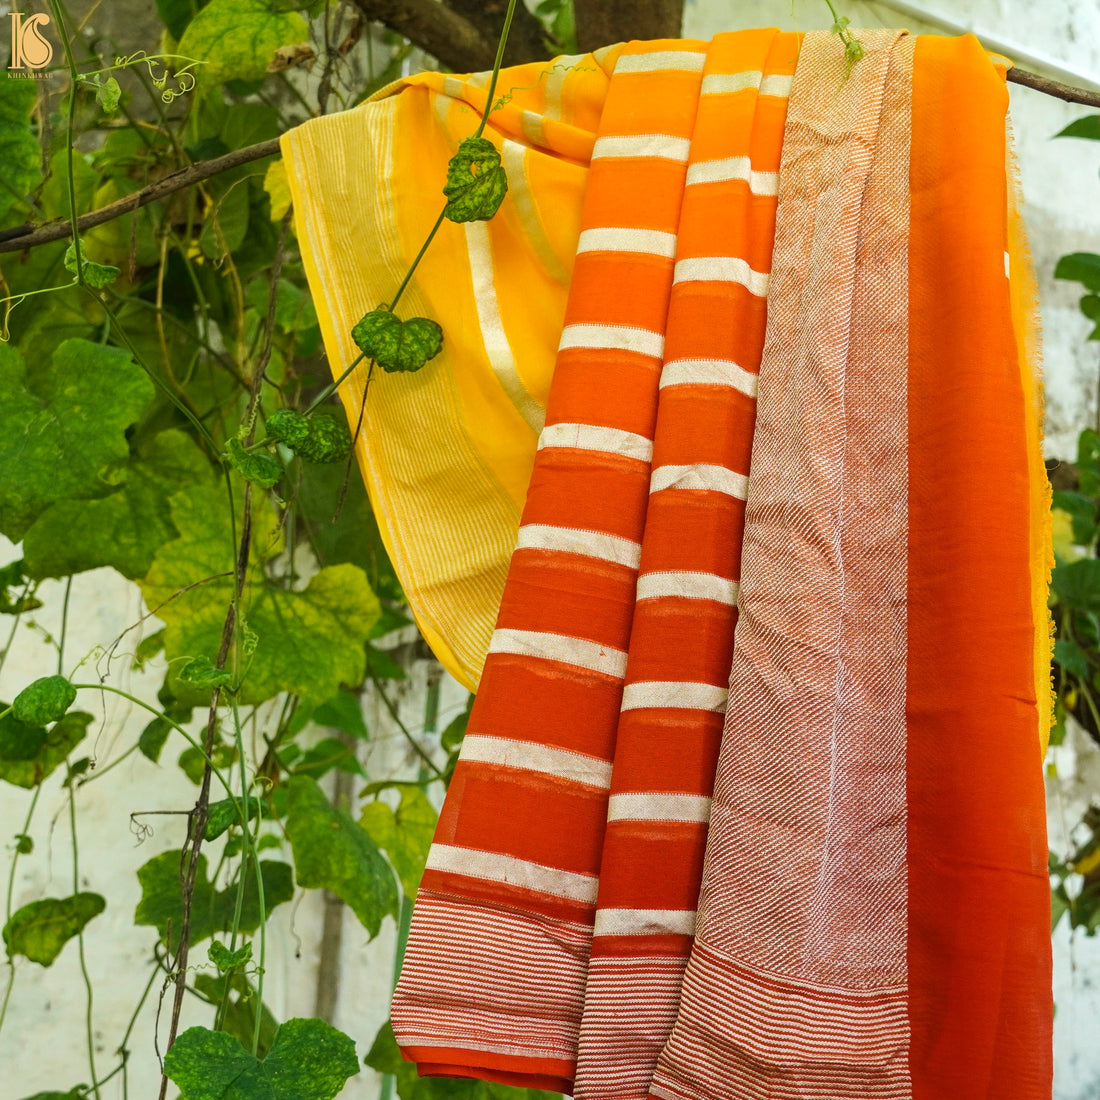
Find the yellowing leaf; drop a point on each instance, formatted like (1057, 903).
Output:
(40, 930)
(238, 39)
(278, 189)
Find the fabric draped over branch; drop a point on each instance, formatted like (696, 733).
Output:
(726, 494)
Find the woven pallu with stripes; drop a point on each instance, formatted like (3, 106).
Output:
(726, 495)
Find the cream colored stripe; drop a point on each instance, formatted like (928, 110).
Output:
(453, 87)
(716, 479)
(613, 338)
(531, 124)
(675, 695)
(722, 269)
(661, 61)
(653, 806)
(497, 347)
(514, 158)
(561, 648)
(687, 586)
(555, 82)
(733, 168)
(709, 372)
(653, 241)
(529, 756)
(644, 922)
(573, 540)
(664, 146)
(725, 83)
(593, 437)
(513, 871)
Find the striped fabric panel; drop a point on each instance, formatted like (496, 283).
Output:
(797, 984)
(519, 837)
(682, 637)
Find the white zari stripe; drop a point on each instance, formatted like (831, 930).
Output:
(593, 437)
(733, 168)
(664, 146)
(574, 540)
(514, 157)
(658, 807)
(721, 269)
(709, 372)
(690, 61)
(675, 695)
(644, 922)
(654, 242)
(560, 648)
(513, 871)
(545, 759)
(688, 586)
(644, 341)
(725, 83)
(494, 338)
(715, 479)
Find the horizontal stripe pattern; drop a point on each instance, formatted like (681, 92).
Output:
(523, 873)
(777, 84)
(653, 806)
(674, 695)
(560, 648)
(588, 771)
(594, 337)
(687, 585)
(722, 269)
(654, 242)
(690, 61)
(700, 476)
(645, 922)
(596, 437)
(726, 169)
(710, 372)
(571, 540)
(661, 146)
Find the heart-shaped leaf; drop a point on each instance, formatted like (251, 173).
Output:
(261, 470)
(95, 275)
(397, 345)
(476, 182)
(44, 701)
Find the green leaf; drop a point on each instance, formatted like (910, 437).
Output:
(225, 224)
(80, 1092)
(24, 844)
(40, 930)
(260, 469)
(1088, 461)
(404, 835)
(95, 275)
(176, 14)
(201, 673)
(397, 345)
(19, 152)
(1090, 307)
(333, 853)
(294, 309)
(53, 746)
(222, 814)
(12, 576)
(107, 94)
(318, 438)
(309, 1060)
(382, 666)
(309, 641)
(1080, 267)
(343, 712)
(147, 649)
(1087, 127)
(212, 910)
(237, 39)
(326, 755)
(43, 701)
(62, 428)
(476, 182)
(224, 959)
(451, 737)
(1078, 583)
(122, 530)
(1082, 509)
(152, 739)
(1071, 657)
(239, 1018)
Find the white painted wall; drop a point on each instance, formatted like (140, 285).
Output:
(38, 1048)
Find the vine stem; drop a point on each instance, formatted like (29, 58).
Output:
(11, 894)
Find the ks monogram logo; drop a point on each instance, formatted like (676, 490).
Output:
(29, 47)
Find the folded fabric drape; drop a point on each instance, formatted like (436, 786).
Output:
(780, 568)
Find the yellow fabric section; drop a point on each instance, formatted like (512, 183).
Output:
(448, 452)
(1024, 293)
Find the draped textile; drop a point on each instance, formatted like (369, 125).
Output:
(780, 568)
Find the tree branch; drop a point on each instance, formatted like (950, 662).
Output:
(1054, 87)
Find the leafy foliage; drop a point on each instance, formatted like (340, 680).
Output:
(397, 345)
(29, 754)
(476, 182)
(44, 701)
(41, 929)
(404, 834)
(19, 154)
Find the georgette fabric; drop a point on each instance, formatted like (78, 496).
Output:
(726, 494)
